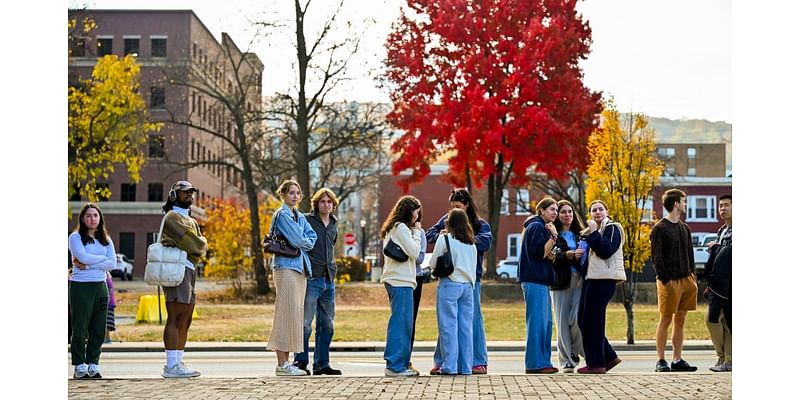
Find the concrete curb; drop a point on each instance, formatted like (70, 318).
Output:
(427, 346)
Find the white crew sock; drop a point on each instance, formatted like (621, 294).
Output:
(180, 356)
(172, 358)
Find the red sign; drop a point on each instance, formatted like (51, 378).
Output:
(349, 239)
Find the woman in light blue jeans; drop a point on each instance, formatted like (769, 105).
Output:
(400, 280)
(454, 301)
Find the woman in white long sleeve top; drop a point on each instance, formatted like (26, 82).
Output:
(92, 255)
(400, 280)
(454, 298)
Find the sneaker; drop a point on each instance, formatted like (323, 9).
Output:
(288, 370)
(587, 370)
(179, 371)
(720, 361)
(479, 370)
(724, 367)
(575, 358)
(545, 370)
(411, 367)
(568, 369)
(436, 370)
(406, 373)
(329, 371)
(93, 371)
(302, 367)
(662, 366)
(682, 366)
(613, 363)
(81, 372)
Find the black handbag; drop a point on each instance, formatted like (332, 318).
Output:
(444, 264)
(277, 244)
(394, 251)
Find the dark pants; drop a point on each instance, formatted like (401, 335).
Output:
(417, 297)
(595, 295)
(89, 304)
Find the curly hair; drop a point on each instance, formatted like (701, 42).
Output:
(401, 212)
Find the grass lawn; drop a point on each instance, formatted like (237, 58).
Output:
(503, 321)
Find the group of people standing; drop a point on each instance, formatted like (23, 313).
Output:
(566, 269)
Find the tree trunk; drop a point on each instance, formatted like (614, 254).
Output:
(301, 153)
(495, 193)
(628, 301)
(262, 285)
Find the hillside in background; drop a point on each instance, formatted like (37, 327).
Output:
(694, 131)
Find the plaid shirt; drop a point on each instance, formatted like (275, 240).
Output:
(725, 235)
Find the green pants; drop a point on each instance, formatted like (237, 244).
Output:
(89, 304)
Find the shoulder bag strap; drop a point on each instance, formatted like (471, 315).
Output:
(161, 229)
(274, 222)
(447, 243)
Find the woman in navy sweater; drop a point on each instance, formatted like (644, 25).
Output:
(536, 275)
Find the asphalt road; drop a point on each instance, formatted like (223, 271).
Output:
(243, 364)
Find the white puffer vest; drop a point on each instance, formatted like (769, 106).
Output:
(608, 268)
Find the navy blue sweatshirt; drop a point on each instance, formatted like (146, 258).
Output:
(533, 267)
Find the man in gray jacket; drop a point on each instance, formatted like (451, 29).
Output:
(321, 285)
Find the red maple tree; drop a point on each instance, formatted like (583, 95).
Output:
(497, 84)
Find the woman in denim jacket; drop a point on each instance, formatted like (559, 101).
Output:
(290, 274)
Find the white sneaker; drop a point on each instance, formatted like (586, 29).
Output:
(81, 371)
(288, 369)
(405, 372)
(94, 371)
(179, 371)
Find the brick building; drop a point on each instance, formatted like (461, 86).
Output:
(162, 40)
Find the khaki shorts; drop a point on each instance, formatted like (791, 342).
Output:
(677, 295)
(183, 293)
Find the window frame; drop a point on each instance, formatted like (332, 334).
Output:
(711, 208)
(153, 39)
(99, 39)
(517, 238)
(138, 41)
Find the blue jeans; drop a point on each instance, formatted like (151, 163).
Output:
(398, 332)
(320, 302)
(480, 355)
(454, 311)
(538, 325)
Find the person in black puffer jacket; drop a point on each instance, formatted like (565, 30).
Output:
(566, 291)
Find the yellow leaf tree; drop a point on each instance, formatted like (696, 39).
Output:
(228, 231)
(108, 125)
(623, 169)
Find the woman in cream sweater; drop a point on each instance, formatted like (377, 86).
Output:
(454, 308)
(400, 280)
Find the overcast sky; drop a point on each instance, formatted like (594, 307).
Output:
(662, 58)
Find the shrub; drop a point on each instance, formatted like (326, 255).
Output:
(353, 267)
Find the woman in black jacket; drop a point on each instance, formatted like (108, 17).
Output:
(566, 291)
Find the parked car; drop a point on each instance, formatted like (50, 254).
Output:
(124, 268)
(701, 252)
(507, 269)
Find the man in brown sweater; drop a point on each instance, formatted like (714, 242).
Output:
(673, 259)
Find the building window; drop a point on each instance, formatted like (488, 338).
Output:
(666, 152)
(669, 171)
(105, 45)
(504, 203)
(78, 48)
(155, 192)
(514, 245)
(701, 209)
(158, 46)
(127, 192)
(131, 46)
(158, 97)
(691, 152)
(151, 238)
(155, 146)
(691, 171)
(647, 209)
(523, 202)
(127, 246)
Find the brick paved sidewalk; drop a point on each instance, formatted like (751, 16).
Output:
(562, 386)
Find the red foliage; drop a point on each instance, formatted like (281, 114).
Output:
(488, 78)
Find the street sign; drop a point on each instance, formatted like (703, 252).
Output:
(349, 239)
(351, 250)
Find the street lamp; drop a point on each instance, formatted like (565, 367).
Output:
(363, 239)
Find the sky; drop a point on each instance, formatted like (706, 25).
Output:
(664, 59)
